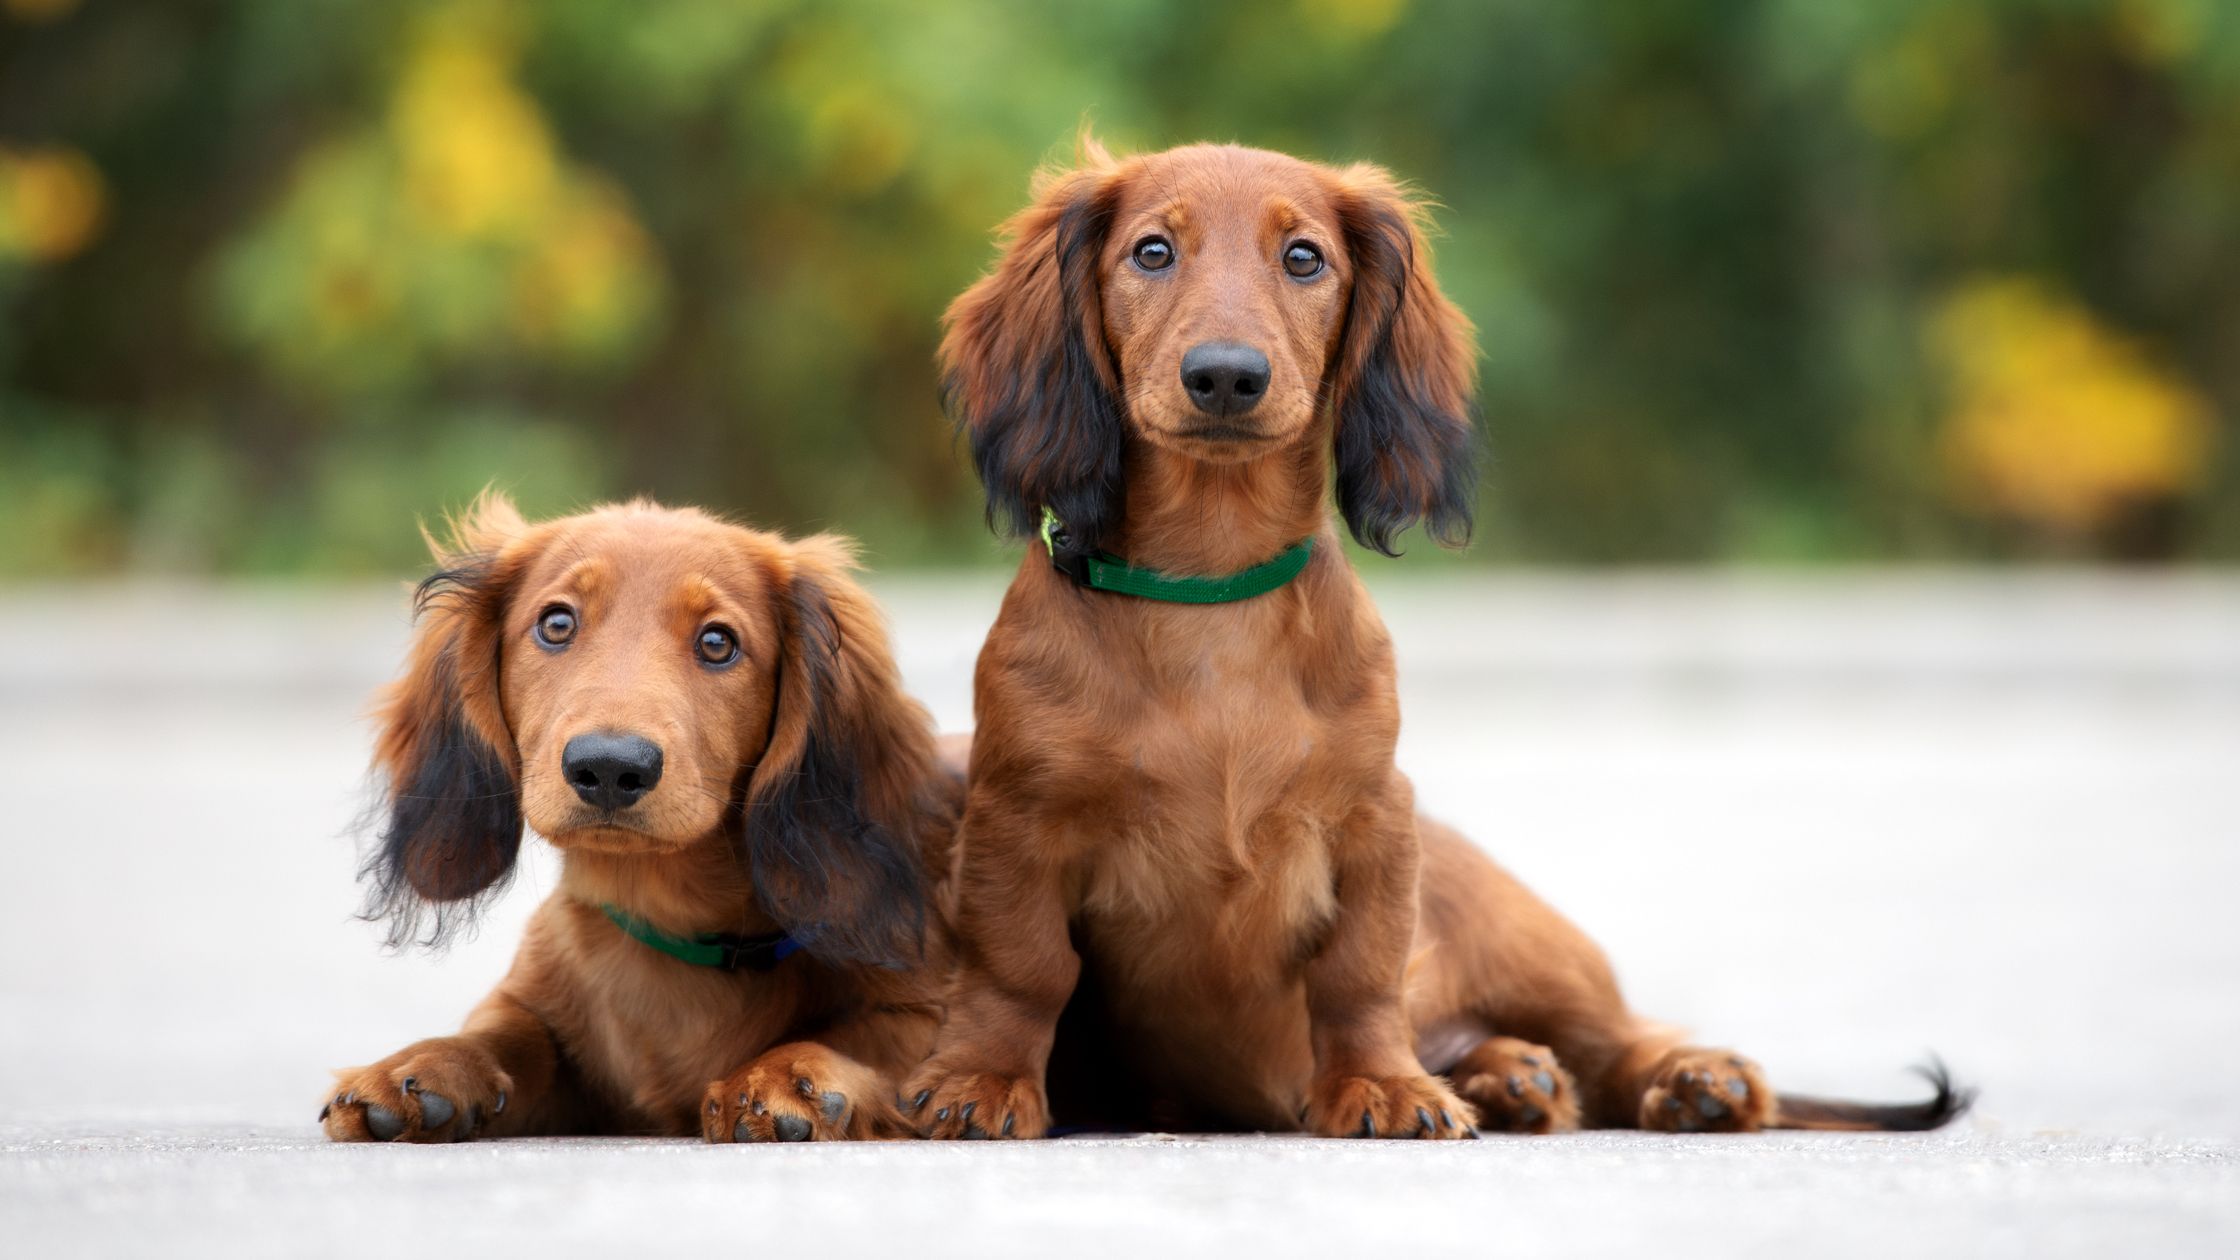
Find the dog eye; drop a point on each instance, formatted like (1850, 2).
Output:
(1153, 253)
(717, 646)
(1302, 260)
(555, 626)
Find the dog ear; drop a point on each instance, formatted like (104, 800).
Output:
(1405, 383)
(450, 809)
(1025, 370)
(840, 801)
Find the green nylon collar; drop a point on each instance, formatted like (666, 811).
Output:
(1103, 572)
(709, 949)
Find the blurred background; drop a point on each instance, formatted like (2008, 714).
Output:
(1760, 280)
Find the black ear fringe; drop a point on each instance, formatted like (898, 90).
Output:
(839, 880)
(1054, 436)
(1400, 462)
(457, 824)
(1401, 457)
(465, 586)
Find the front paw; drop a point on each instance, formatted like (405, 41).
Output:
(441, 1090)
(1416, 1106)
(951, 1104)
(1707, 1091)
(797, 1093)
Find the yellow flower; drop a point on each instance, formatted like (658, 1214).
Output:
(451, 228)
(478, 155)
(52, 203)
(2054, 419)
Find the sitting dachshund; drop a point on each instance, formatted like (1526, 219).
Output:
(752, 824)
(1182, 809)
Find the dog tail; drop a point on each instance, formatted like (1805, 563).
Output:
(1952, 1101)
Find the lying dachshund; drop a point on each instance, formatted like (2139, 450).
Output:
(706, 722)
(1182, 794)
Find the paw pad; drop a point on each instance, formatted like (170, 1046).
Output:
(1697, 1093)
(1518, 1087)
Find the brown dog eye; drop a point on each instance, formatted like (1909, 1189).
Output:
(1302, 260)
(1153, 253)
(718, 646)
(555, 626)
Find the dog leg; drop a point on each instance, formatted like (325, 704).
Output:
(840, 1086)
(1367, 1081)
(1016, 968)
(1517, 1087)
(1659, 1085)
(799, 1092)
(1494, 956)
(1691, 1089)
(1695, 1090)
(495, 1078)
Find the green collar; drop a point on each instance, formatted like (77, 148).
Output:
(1103, 572)
(709, 949)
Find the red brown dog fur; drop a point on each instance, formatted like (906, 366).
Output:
(1193, 811)
(796, 789)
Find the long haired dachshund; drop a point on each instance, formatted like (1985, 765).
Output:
(705, 721)
(1192, 810)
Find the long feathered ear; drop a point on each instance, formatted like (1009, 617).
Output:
(840, 802)
(1406, 380)
(450, 809)
(1025, 370)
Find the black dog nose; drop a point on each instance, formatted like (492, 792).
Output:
(1224, 378)
(611, 770)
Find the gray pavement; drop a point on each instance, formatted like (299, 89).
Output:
(1832, 821)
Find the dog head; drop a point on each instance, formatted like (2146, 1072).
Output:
(1221, 303)
(637, 681)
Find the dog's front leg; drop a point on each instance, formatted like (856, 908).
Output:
(1367, 1081)
(1015, 969)
(840, 1084)
(802, 1091)
(496, 1077)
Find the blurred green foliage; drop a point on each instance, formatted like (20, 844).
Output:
(1755, 279)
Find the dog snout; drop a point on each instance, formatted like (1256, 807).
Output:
(611, 769)
(1224, 378)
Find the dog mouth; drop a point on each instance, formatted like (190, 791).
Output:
(609, 836)
(1223, 434)
(602, 831)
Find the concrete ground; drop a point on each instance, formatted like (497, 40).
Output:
(1833, 822)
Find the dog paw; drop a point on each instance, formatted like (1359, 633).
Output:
(802, 1092)
(1415, 1106)
(1517, 1087)
(947, 1104)
(1706, 1091)
(443, 1090)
